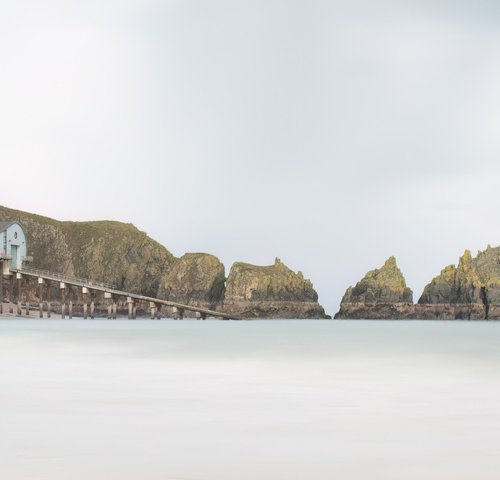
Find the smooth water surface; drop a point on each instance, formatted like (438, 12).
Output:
(228, 400)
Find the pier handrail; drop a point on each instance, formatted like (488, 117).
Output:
(66, 278)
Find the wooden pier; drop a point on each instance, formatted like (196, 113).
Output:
(88, 287)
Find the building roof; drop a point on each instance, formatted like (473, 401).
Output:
(5, 225)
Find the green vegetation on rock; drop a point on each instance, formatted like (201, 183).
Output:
(112, 252)
(383, 285)
(195, 278)
(270, 291)
(121, 255)
(276, 282)
(473, 281)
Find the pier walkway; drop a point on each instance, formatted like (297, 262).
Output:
(111, 294)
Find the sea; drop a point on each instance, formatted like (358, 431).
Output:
(247, 400)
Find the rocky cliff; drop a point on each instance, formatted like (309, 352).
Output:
(111, 252)
(471, 289)
(121, 255)
(381, 294)
(272, 291)
(195, 279)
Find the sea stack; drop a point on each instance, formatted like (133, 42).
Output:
(195, 279)
(381, 294)
(272, 291)
(468, 291)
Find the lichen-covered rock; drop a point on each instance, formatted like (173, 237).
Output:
(382, 285)
(112, 252)
(195, 279)
(475, 282)
(455, 285)
(120, 255)
(272, 291)
(488, 268)
(381, 293)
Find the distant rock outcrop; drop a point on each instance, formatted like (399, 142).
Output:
(455, 285)
(471, 290)
(272, 291)
(381, 294)
(195, 279)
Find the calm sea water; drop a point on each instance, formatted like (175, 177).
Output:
(217, 400)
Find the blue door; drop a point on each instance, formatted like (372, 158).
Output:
(13, 255)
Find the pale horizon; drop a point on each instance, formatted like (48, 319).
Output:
(329, 134)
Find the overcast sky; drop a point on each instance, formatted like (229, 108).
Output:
(330, 134)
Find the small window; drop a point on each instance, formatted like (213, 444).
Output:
(15, 234)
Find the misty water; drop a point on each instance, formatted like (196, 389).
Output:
(217, 400)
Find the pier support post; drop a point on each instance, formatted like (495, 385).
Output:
(40, 295)
(11, 295)
(84, 297)
(70, 309)
(114, 310)
(178, 313)
(92, 308)
(1, 288)
(48, 301)
(27, 305)
(134, 311)
(108, 298)
(19, 278)
(62, 287)
(130, 305)
(152, 309)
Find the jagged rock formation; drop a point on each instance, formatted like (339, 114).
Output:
(119, 254)
(195, 279)
(381, 294)
(471, 290)
(272, 291)
(455, 285)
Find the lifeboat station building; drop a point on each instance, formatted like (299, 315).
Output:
(13, 245)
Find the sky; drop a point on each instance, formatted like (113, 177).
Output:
(330, 134)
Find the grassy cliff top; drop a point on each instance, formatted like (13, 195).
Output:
(115, 252)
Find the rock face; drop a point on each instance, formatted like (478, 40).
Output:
(120, 255)
(272, 291)
(195, 279)
(111, 252)
(471, 290)
(455, 285)
(381, 294)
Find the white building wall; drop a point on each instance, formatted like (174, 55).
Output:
(3, 242)
(15, 236)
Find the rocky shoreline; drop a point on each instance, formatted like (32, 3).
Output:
(468, 291)
(121, 255)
